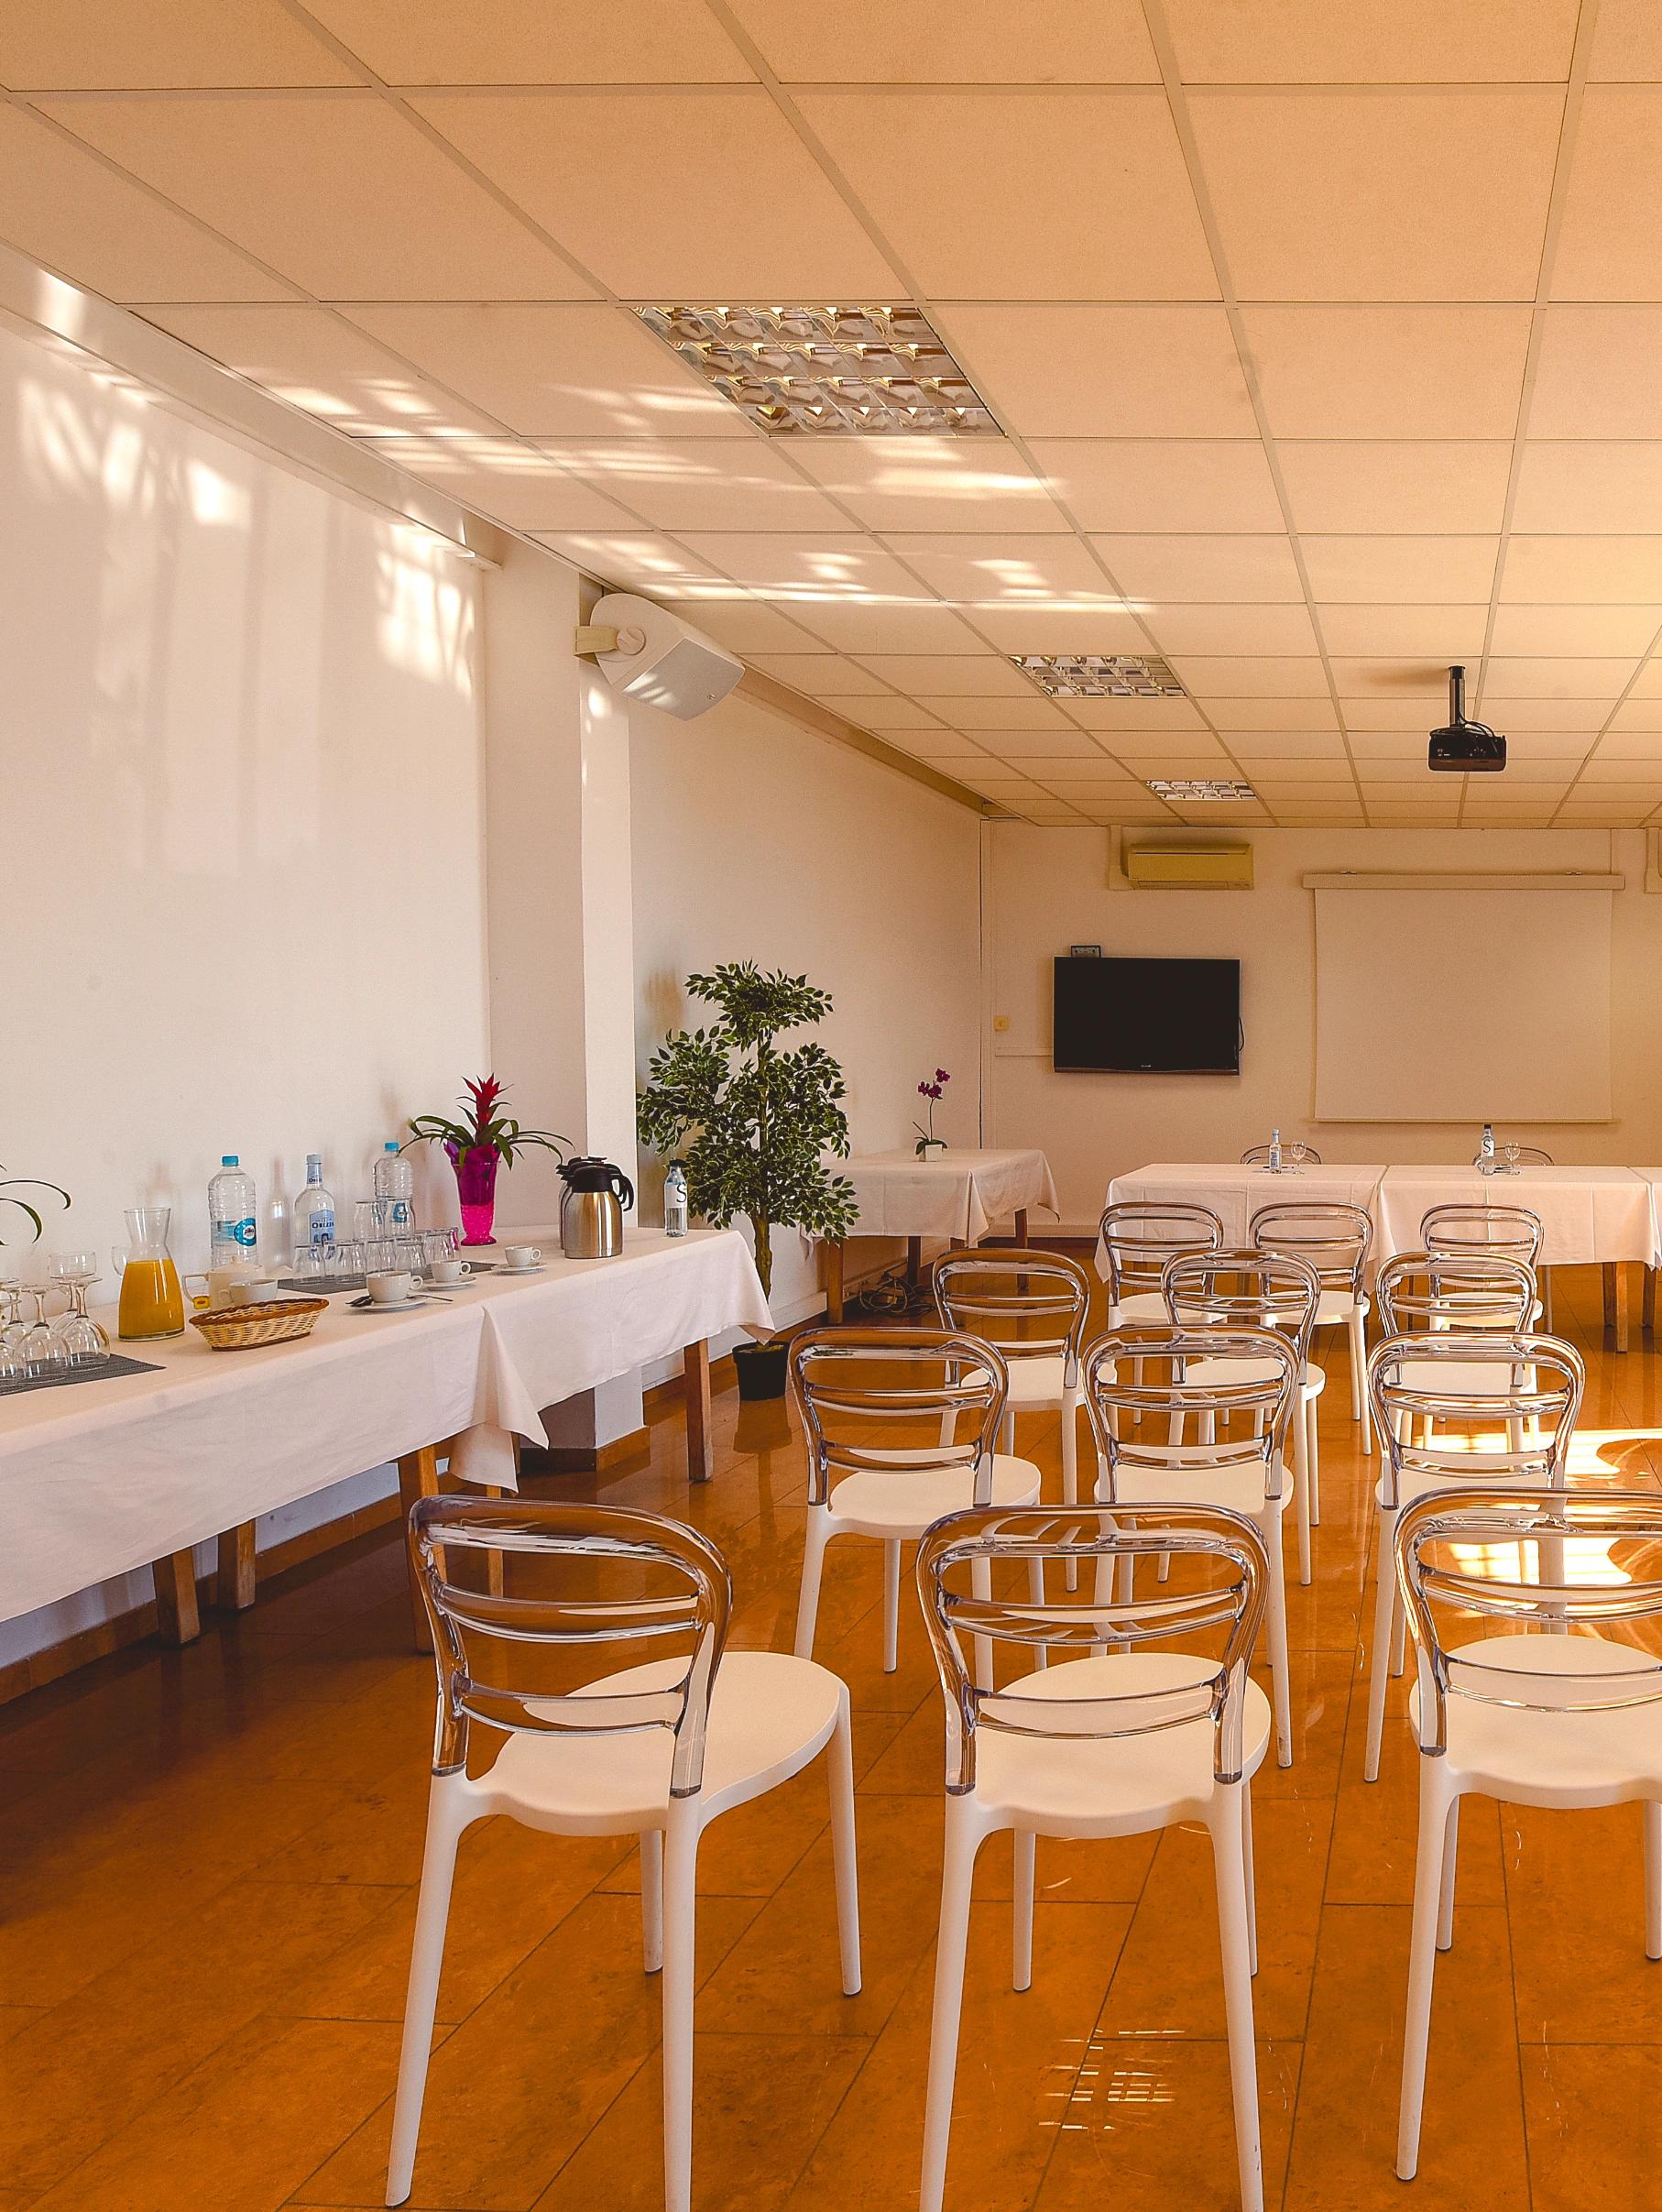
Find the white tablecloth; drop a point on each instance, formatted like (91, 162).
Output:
(1234, 1191)
(960, 1193)
(99, 1478)
(1587, 1213)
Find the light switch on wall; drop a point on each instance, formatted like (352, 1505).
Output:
(1000, 1022)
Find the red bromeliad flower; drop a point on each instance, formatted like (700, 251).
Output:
(484, 1093)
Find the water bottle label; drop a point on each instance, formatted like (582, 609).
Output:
(401, 1213)
(323, 1225)
(243, 1232)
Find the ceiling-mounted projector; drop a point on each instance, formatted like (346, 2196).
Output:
(1465, 749)
(650, 654)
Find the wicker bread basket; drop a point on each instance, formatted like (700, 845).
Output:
(268, 1321)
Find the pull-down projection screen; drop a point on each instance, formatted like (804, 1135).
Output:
(1463, 1006)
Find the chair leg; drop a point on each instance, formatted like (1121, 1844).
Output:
(1379, 1650)
(680, 1887)
(1228, 1831)
(651, 1898)
(1247, 1869)
(1355, 1330)
(1026, 1854)
(1313, 1452)
(815, 1538)
(1446, 1881)
(1281, 1687)
(1399, 1634)
(1301, 1487)
(1434, 1810)
(957, 1875)
(447, 1817)
(1070, 1469)
(1652, 1878)
(840, 1769)
(1007, 1434)
(892, 1605)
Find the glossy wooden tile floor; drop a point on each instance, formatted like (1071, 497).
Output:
(207, 1890)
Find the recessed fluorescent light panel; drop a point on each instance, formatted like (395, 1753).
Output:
(1184, 788)
(798, 371)
(1096, 675)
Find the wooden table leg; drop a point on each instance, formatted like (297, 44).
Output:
(177, 1618)
(418, 1477)
(234, 1588)
(1647, 1321)
(915, 1260)
(1020, 1224)
(834, 1280)
(495, 1579)
(1621, 1307)
(696, 1384)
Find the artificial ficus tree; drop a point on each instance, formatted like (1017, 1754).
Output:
(759, 1120)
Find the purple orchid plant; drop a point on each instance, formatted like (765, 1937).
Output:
(932, 1091)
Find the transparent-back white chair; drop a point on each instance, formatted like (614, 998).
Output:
(1256, 1290)
(1032, 1305)
(1459, 1407)
(902, 1426)
(1336, 1239)
(1514, 1232)
(660, 1749)
(1296, 1153)
(1165, 1436)
(1136, 1240)
(1166, 1726)
(1556, 1700)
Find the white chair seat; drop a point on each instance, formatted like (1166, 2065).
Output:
(770, 1716)
(1036, 1384)
(1142, 1306)
(1237, 1489)
(1313, 1382)
(1110, 1785)
(892, 1505)
(1529, 1756)
(1336, 1306)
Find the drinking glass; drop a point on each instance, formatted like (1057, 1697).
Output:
(42, 1354)
(309, 1266)
(1512, 1156)
(14, 1367)
(344, 1262)
(12, 1324)
(85, 1344)
(372, 1219)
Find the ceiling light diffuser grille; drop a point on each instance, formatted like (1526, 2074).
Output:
(1198, 787)
(1094, 675)
(796, 371)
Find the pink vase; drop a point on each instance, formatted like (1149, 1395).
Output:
(476, 1189)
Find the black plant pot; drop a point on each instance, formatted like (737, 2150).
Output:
(760, 1369)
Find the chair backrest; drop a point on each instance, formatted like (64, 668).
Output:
(581, 1547)
(1489, 1291)
(1456, 1228)
(1335, 1238)
(1136, 1238)
(1190, 1401)
(1031, 1305)
(1224, 1604)
(1295, 1152)
(1455, 1407)
(1541, 1562)
(893, 1400)
(1249, 1289)
(1526, 1155)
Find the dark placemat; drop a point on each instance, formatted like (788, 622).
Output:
(117, 1363)
(321, 1290)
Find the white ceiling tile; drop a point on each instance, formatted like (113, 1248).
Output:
(1372, 41)
(1090, 371)
(1395, 484)
(536, 41)
(700, 483)
(1306, 768)
(1596, 374)
(850, 626)
(820, 674)
(308, 357)
(1396, 679)
(1541, 678)
(1589, 485)
(1189, 757)
(1610, 243)
(62, 206)
(971, 569)
(1016, 195)
(1269, 678)
(1094, 790)
(1648, 683)
(898, 715)
(1387, 711)
(1323, 195)
(1628, 40)
(1396, 372)
(1167, 484)
(1313, 713)
(1110, 718)
(1428, 571)
(1232, 629)
(1438, 633)
(1053, 751)
(1277, 789)
(1553, 718)
(1634, 744)
(958, 676)
(909, 483)
(745, 626)
(88, 45)
(1039, 627)
(1583, 569)
(636, 560)
(951, 42)
(805, 567)
(1575, 630)
(962, 711)
(1635, 777)
(277, 173)
(593, 172)
(1389, 770)
(511, 483)
(1230, 569)
(555, 371)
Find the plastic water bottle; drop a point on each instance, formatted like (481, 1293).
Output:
(395, 1179)
(314, 1208)
(675, 1201)
(1275, 1151)
(233, 1238)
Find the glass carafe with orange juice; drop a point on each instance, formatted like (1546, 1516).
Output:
(152, 1304)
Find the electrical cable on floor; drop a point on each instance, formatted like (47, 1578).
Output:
(891, 1293)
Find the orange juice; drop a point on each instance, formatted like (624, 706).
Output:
(152, 1304)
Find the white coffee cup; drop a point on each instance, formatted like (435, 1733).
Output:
(392, 1289)
(451, 1271)
(519, 1259)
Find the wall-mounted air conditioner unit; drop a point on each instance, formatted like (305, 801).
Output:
(1188, 867)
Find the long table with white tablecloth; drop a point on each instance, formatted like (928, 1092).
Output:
(103, 1477)
(954, 1197)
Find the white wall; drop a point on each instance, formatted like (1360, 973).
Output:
(240, 821)
(755, 839)
(1049, 887)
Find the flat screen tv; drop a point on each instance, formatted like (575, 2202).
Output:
(1129, 1017)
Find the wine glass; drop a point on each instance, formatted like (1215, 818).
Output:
(84, 1342)
(1512, 1156)
(41, 1351)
